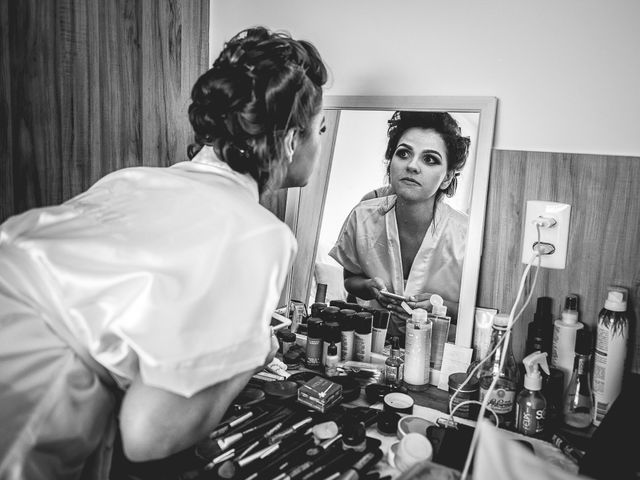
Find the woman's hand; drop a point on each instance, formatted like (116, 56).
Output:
(420, 300)
(374, 285)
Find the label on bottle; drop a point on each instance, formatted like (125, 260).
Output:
(609, 359)
(393, 374)
(314, 353)
(530, 420)
(346, 346)
(501, 400)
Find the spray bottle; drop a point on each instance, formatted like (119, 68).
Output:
(531, 406)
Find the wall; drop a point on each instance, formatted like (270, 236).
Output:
(566, 73)
(91, 86)
(566, 76)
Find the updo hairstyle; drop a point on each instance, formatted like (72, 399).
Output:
(262, 84)
(446, 126)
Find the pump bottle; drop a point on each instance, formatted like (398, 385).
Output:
(564, 338)
(440, 330)
(531, 406)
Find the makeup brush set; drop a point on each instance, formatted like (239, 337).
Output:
(270, 440)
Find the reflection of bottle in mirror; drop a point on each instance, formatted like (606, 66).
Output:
(440, 330)
(393, 365)
(379, 331)
(347, 331)
(362, 336)
(417, 352)
(577, 408)
(502, 398)
(319, 302)
(331, 360)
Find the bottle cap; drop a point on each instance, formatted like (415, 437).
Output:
(616, 299)
(347, 322)
(329, 313)
(419, 315)
(570, 312)
(543, 310)
(501, 320)
(314, 328)
(532, 364)
(332, 332)
(437, 305)
(364, 322)
(583, 342)
(395, 343)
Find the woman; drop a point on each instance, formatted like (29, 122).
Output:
(147, 299)
(404, 238)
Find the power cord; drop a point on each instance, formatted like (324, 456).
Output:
(513, 318)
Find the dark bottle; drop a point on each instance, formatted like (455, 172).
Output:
(393, 365)
(314, 343)
(503, 397)
(319, 302)
(540, 330)
(577, 409)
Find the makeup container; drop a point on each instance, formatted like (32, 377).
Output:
(320, 394)
(331, 334)
(287, 339)
(314, 344)
(417, 350)
(362, 338)
(347, 332)
(354, 434)
(379, 330)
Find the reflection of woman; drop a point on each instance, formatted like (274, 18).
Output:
(409, 242)
(157, 285)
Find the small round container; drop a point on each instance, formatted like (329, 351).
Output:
(413, 424)
(412, 449)
(469, 392)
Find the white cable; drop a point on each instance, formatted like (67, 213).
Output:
(505, 339)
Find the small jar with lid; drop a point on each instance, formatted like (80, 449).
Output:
(468, 392)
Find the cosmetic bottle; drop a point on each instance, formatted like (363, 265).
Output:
(331, 334)
(331, 361)
(564, 338)
(531, 406)
(314, 344)
(440, 330)
(612, 341)
(540, 330)
(502, 398)
(577, 409)
(393, 365)
(379, 330)
(417, 352)
(362, 337)
(347, 333)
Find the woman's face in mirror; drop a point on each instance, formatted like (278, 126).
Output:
(418, 168)
(306, 153)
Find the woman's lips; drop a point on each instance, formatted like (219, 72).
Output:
(410, 181)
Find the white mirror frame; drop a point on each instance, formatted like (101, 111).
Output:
(304, 206)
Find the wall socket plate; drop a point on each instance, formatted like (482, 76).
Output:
(557, 235)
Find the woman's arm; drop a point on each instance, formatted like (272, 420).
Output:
(156, 423)
(363, 287)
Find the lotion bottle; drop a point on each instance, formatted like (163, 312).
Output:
(531, 406)
(564, 338)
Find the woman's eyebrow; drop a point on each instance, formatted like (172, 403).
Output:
(433, 152)
(404, 145)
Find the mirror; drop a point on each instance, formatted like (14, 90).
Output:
(352, 164)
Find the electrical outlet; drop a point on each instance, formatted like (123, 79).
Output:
(554, 237)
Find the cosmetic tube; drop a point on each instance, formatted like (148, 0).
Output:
(379, 330)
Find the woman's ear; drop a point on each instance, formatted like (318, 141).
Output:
(447, 180)
(290, 144)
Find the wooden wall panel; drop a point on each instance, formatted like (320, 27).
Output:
(604, 232)
(90, 86)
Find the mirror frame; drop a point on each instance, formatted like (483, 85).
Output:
(304, 206)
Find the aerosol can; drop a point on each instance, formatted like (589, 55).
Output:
(531, 406)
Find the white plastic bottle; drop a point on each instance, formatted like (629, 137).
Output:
(417, 352)
(611, 352)
(564, 339)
